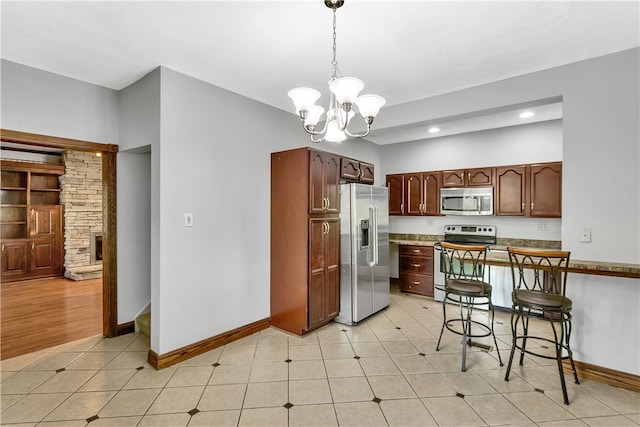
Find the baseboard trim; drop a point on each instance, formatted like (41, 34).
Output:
(604, 375)
(125, 328)
(160, 361)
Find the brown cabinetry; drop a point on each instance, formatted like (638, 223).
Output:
(324, 270)
(545, 190)
(478, 177)
(414, 194)
(395, 186)
(356, 171)
(529, 190)
(416, 269)
(305, 242)
(31, 220)
(324, 182)
(510, 194)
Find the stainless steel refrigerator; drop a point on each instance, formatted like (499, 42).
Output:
(364, 252)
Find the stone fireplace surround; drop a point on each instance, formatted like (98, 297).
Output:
(81, 196)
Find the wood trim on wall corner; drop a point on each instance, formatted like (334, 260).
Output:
(160, 361)
(604, 375)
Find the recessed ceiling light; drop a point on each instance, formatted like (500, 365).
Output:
(526, 115)
(434, 129)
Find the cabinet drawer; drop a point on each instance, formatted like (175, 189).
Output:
(416, 283)
(416, 250)
(416, 264)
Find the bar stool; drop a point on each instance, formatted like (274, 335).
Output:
(539, 290)
(465, 286)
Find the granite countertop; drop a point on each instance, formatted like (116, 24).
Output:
(497, 254)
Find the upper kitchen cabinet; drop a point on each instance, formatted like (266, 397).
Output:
(478, 177)
(510, 194)
(395, 185)
(529, 190)
(545, 190)
(422, 193)
(324, 182)
(356, 171)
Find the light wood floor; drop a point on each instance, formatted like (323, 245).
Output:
(42, 313)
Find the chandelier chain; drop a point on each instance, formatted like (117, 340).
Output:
(334, 62)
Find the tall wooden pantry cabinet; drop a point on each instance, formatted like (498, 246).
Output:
(305, 239)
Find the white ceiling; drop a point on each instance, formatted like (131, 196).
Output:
(402, 50)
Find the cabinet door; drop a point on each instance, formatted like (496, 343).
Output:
(324, 270)
(14, 259)
(332, 183)
(455, 178)
(332, 263)
(510, 197)
(45, 256)
(431, 193)
(366, 173)
(395, 185)
(349, 169)
(413, 193)
(545, 190)
(317, 196)
(481, 177)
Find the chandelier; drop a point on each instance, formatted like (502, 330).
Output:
(344, 94)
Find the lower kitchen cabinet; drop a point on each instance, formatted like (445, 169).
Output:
(416, 269)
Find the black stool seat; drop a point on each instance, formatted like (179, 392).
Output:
(471, 288)
(537, 299)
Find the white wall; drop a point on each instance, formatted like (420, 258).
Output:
(45, 103)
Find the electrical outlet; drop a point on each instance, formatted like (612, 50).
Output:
(585, 235)
(543, 226)
(188, 220)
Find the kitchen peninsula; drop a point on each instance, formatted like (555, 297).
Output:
(497, 254)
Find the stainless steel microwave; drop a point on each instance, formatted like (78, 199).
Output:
(466, 201)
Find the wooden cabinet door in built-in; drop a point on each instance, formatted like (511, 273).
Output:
(545, 190)
(480, 177)
(324, 270)
(44, 246)
(324, 182)
(510, 197)
(14, 259)
(395, 186)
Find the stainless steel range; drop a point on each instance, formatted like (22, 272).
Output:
(463, 234)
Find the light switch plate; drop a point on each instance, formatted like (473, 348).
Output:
(585, 235)
(188, 220)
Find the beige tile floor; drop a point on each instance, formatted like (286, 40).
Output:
(382, 372)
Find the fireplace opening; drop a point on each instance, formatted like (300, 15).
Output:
(96, 247)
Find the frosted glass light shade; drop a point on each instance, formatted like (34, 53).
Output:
(346, 89)
(304, 98)
(369, 105)
(313, 116)
(334, 134)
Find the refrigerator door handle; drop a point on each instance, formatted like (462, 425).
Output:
(373, 236)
